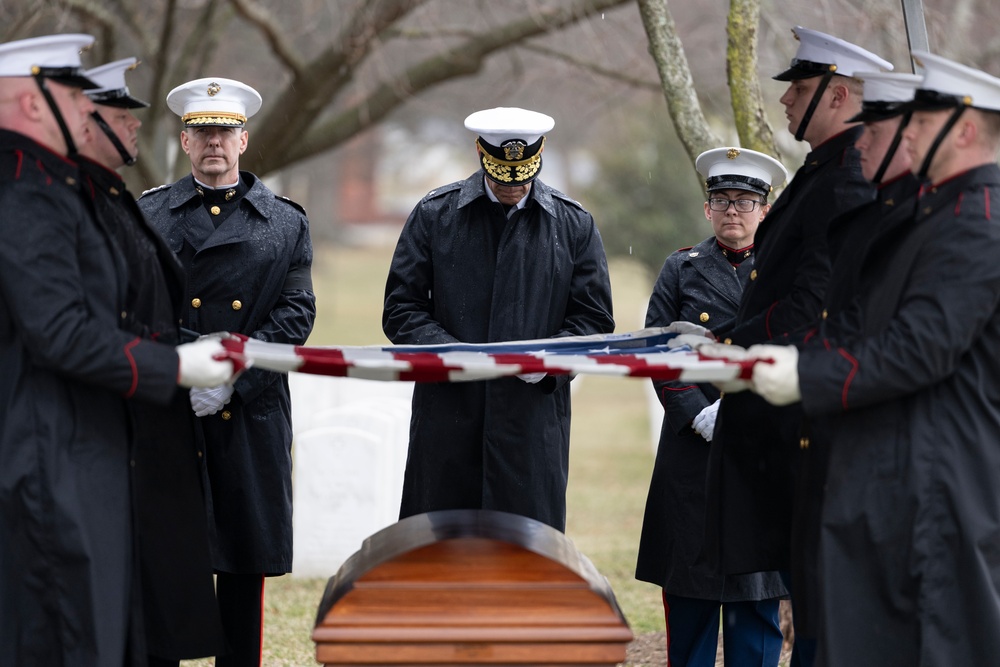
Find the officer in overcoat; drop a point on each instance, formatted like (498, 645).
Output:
(910, 522)
(178, 595)
(500, 256)
(71, 363)
(886, 162)
(750, 478)
(703, 285)
(248, 257)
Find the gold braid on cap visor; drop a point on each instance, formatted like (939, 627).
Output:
(511, 172)
(213, 118)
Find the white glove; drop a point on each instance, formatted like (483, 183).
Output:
(208, 401)
(682, 327)
(723, 351)
(704, 422)
(531, 378)
(729, 353)
(198, 368)
(777, 382)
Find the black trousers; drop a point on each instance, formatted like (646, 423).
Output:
(241, 605)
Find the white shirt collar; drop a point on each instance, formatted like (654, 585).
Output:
(489, 193)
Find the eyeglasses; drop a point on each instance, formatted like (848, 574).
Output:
(742, 205)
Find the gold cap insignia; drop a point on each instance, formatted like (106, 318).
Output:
(733, 153)
(513, 149)
(213, 89)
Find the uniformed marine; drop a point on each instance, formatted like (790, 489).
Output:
(703, 285)
(248, 257)
(71, 364)
(178, 596)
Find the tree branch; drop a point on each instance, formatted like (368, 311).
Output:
(675, 75)
(744, 85)
(298, 106)
(461, 60)
(266, 23)
(593, 68)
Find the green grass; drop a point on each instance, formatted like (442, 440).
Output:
(610, 461)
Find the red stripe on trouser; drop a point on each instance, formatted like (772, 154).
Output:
(666, 622)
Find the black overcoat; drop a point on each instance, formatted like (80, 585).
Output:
(459, 273)
(695, 285)
(911, 513)
(249, 276)
(178, 596)
(851, 236)
(753, 452)
(68, 367)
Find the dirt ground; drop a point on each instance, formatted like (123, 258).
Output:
(650, 649)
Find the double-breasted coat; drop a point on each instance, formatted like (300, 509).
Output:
(178, 598)
(911, 513)
(462, 272)
(66, 567)
(251, 275)
(699, 285)
(753, 451)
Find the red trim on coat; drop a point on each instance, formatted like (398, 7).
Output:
(958, 204)
(850, 376)
(135, 370)
(20, 161)
(809, 335)
(690, 386)
(767, 320)
(41, 168)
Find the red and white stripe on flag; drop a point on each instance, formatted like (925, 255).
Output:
(650, 353)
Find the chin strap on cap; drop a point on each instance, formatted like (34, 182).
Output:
(127, 157)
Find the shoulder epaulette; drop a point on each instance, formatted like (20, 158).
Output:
(566, 198)
(297, 206)
(443, 190)
(156, 189)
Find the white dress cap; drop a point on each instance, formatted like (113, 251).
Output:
(886, 95)
(214, 101)
(819, 51)
(111, 87)
(502, 124)
(888, 86)
(53, 56)
(949, 79)
(730, 168)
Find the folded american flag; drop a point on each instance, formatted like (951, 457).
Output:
(665, 353)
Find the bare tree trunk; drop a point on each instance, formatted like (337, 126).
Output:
(678, 88)
(744, 85)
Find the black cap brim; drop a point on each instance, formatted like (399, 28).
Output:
(803, 69)
(67, 76)
(74, 81)
(873, 112)
(931, 100)
(738, 182)
(116, 99)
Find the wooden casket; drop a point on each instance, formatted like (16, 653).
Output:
(471, 587)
